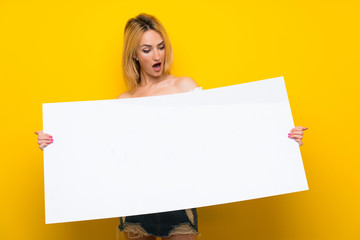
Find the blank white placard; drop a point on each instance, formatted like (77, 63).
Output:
(125, 157)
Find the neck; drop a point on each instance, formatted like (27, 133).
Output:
(148, 81)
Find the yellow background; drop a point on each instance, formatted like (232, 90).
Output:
(60, 51)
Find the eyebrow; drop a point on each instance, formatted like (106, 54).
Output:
(147, 45)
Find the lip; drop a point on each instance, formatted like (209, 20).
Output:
(157, 66)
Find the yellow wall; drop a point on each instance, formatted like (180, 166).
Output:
(59, 51)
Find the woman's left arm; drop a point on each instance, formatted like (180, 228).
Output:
(297, 134)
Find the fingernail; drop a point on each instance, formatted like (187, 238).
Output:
(50, 136)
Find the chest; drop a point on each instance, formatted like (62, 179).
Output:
(155, 91)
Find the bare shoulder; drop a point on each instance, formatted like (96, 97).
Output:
(124, 95)
(185, 84)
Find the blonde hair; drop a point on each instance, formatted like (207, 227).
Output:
(134, 29)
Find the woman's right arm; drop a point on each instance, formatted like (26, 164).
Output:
(44, 139)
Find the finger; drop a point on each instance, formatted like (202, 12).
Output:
(45, 141)
(45, 137)
(297, 136)
(300, 128)
(293, 129)
(297, 132)
(42, 146)
(38, 132)
(299, 142)
(48, 135)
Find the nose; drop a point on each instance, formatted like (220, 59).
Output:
(156, 55)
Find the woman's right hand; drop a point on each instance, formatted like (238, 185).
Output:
(44, 139)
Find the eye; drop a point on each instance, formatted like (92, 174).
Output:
(162, 47)
(146, 50)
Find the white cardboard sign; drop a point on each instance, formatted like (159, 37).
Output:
(123, 157)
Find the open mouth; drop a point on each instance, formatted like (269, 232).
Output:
(157, 67)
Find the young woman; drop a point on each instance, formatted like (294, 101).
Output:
(147, 57)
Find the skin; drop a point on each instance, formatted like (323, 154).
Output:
(297, 134)
(150, 51)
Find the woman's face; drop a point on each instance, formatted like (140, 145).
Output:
(151, 53)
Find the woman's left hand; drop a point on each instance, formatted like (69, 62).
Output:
(297, 134)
